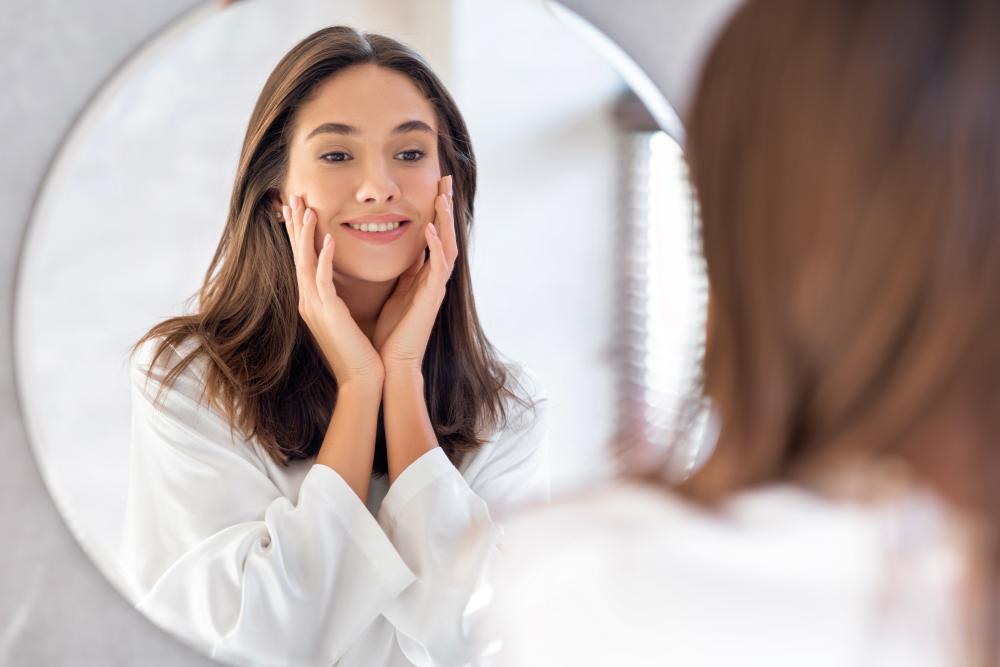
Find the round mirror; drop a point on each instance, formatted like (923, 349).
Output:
(582, 215)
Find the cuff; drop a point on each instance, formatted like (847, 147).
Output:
(426, 469)
(361, 526)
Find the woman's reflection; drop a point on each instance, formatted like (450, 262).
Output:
(335, 360)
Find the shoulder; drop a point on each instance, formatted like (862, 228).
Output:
(522, 377)
(762, 561)
(511, 467)
(155, 359)
(667, 540)
(630, 518)
(522, 428)
(159, 356)
(164, 389)
(526, 399)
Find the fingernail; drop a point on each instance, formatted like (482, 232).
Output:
(326, 240)
(434, 230)
(285, 212)
(295, 202)
(309, 215)
(450, 178)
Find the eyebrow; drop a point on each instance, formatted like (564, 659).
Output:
(348, 130)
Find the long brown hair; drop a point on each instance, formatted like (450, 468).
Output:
(264, 371)
(846, 161)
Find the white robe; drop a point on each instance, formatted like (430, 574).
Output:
(258, 564)
(631, 575)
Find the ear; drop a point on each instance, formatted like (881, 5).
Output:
(274, 201)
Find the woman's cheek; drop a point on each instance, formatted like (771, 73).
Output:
(425, 188)
(323, 227)
(429, 212)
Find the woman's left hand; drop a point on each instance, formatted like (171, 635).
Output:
(404, 325)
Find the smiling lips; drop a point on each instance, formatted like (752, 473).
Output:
(378, 229)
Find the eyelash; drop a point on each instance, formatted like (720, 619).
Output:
(420, 156)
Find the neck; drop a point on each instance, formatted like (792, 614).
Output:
(364, 300)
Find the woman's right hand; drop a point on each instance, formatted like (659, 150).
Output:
(349, 353)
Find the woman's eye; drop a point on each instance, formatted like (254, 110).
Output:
(411, 156)
(337, 156)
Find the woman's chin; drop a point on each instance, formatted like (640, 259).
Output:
(370, 273)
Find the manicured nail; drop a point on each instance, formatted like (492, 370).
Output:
(450, 178)
(295, 202)
(326, 240)
(285, 212)
(309, 216)
(434, 230)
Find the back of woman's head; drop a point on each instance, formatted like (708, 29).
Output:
(846, 161)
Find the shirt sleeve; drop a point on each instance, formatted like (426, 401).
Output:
(217, 554)
(428, 513)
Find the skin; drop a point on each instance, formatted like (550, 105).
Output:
(370, 307)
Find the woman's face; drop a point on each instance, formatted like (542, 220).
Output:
(364, 151)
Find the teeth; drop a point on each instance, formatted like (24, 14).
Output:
(376, 227)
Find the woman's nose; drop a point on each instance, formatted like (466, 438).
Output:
(377, 185)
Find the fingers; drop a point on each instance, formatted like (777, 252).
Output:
(286, 213)
(301, 225)
(305, 239)
(440, 268)
(444, 220)
(409, 276)
(324, 271)
(441, 239)
(444, 225)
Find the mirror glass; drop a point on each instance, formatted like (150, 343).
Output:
(581, 202)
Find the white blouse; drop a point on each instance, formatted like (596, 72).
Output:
(260, 564)
(631, 575)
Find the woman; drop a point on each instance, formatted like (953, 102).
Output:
(335, 368)
(845, 157)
